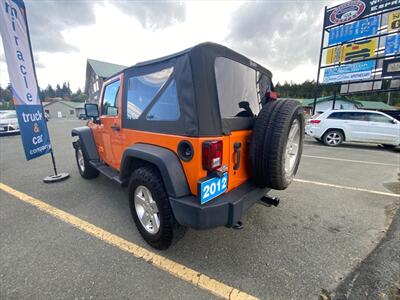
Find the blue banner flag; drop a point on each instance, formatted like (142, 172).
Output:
(18, 52)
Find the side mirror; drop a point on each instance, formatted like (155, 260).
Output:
(92, 110)
(394, 121)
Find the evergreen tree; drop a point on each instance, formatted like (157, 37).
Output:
(58, 91)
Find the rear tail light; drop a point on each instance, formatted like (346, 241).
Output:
(212, 155)
(315, 121)
(273, 95)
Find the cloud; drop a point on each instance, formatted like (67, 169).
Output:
(48, 18)
(280, 34)
(153, 14)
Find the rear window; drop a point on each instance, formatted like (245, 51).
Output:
(238, 83)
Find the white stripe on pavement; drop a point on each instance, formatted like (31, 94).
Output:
(348, 188)
(351, 160)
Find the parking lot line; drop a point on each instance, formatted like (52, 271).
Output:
(347, 187)
(350, 160)
(176, 269)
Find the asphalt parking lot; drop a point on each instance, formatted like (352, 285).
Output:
(328, 223)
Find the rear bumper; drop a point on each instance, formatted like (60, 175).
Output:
(225, 210)
(313, 131)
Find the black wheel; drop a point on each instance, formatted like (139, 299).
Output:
(151, 210)
(333, 138)
(84, 167)
(277, 144)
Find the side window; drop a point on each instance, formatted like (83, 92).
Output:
(372, 117)
(142, 90)
(264, 85)
(353, 116)
(110, 99)
(167, 106)
(336, 115)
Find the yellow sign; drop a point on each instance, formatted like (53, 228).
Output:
(359, 50)
(334, 55)
(351, 52)
(394, 20)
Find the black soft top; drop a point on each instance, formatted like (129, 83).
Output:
(208, 50)
(197, 90)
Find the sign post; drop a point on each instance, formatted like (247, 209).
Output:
(21, 69)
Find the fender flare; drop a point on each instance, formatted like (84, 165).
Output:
(86, 141)
(164, 159)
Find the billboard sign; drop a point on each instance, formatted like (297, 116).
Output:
(359, 29)
(359, 50)
(349, 72)
(391, 67)
(352, 51)
(355, 9)
(17, 48)
(394, 20)
(392, 44)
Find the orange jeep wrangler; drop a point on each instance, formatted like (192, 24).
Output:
(197, 136)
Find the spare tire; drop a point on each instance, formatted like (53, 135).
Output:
(276, 144)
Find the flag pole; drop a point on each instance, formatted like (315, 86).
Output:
(56, 177)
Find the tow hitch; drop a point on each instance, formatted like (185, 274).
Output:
(269, 201)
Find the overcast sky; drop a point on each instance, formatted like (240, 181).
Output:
(284, 36)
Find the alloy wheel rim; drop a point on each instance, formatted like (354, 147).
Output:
(146, 209)
(292, 148)
(333, 138)
(81, 161)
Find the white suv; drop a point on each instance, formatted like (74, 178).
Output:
(333, 127)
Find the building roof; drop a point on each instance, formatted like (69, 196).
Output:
(375, 105)
(310, 102)
(104, 69)
(71, 104)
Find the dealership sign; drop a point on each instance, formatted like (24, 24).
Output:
(352, 51)
(392, 44)
(355, 9)
(391, 67)
(359, 29)
(349, 72)
(17, 48)
(394, 21)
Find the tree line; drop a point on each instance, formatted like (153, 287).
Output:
(306, 90)
(62, 91)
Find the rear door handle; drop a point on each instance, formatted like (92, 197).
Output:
(115, 127)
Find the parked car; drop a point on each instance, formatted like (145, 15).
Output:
(198, 137)
(337, 126)
(8, 122)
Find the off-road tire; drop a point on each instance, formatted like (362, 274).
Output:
(339, 133)
(88, 171)
(170, 231)
(268, 144)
